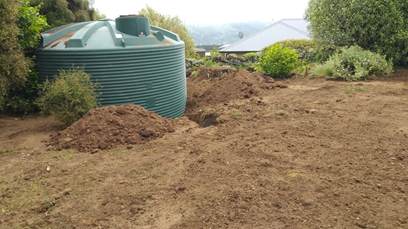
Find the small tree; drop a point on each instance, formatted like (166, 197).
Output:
(69, 96)
(376, 25)
(173, 24)
(214, 52)
(100, 15)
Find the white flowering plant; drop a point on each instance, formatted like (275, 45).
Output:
(354, 63)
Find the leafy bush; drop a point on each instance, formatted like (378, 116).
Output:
(322, 52)
(310, 50)
(279, 61)
(210, 63)
(355, 63)
(23, 99)
(31, 23)
(69, 96)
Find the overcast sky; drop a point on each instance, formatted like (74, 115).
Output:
(210, 12)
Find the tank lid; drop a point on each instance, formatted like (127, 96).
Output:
(132, 15)
(136, 25)
(105, 19)
(133, 31)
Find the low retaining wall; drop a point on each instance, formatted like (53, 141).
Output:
(230, 60)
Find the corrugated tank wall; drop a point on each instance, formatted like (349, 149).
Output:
(152, 76)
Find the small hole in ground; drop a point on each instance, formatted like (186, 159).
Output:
(204, 119)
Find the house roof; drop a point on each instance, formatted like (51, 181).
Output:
(200, 50)
(280, 30)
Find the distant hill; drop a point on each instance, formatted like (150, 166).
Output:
(224, 33)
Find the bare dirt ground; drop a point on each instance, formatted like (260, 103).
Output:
(313, 153)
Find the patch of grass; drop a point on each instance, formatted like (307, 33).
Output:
(33, 187)
(47, 206)
(239, 104)
(205, 81)
(63, 156)
(320, 71)
(207, 113)
(363, 88)
(194, 74)
(203, 116)
(282, 113)
(349, 89)
(151, 170)
(9, 150)
(237, 115)
(148, 152)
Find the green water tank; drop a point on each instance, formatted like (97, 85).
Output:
(133, 61)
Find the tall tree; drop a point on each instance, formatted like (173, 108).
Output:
(13, 64)
(62, 12)
(376, 25)
(173, 24)
(81, 10)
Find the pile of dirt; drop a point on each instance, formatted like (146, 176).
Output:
(212, 85)
(107, 127)
(208, 86)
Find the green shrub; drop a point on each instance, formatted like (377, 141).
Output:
(250, 54)
(376, 25)
(69, 96)
(355, 63)
(210, 63)
(322, 52)
(194, 74)
(23, 99)
(310, 50)
(278, 61)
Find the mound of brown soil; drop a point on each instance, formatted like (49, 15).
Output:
(214, 85)
(106, 127)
